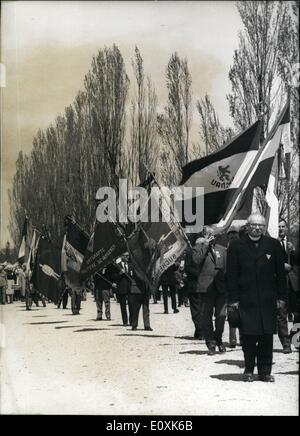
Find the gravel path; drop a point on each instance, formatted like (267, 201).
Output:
(55, 363)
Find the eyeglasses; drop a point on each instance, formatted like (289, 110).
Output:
(257, 225)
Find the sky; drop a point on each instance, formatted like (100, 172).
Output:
(47, 48)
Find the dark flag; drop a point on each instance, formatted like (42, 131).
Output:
(263, 173)
(74, 247)
(155, 246)
(47, 270)
(220, 174)
(105, 245)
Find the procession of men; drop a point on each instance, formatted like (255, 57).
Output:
(243, 276)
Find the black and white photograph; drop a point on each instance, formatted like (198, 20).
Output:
(149, 224)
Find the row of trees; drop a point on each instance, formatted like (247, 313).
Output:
(115, 129)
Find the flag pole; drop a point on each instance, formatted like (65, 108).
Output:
(125, 240)
(177, 222)
(288, 187)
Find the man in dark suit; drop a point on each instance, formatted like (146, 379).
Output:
(123, 282)
(211, 258)
(104, 282)
(256, 285)
(195, 297)
(288, 251)
(168, 283)
(139, 297)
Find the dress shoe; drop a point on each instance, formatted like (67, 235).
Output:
(287, 349)
(267, 378)
(133, 328)
(166, 311)
(248, 377)
(108, 319)
(149, 329)
(99, 318)
(211, 351)
(125, 324)
(176, 311)
(222, 348)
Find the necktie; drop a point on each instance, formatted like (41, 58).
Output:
(283, 245)
(212, 250)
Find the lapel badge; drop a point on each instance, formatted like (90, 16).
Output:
(268, 256)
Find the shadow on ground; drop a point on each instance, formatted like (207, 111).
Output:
(70, 326)
(145, 335)
(45, 322)
(31, 310)
(98, 320)
(87, 330)
(228, 377)
(288, 373)
(239, 363)
(199, 352)
(118, 325)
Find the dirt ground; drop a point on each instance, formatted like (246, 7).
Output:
(53, 362)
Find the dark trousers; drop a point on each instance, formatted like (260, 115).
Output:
(232, 335)
(156, 295)
(123, 306)
(102, 296)
(282, 326)
(64, 300)
(28, 299)
(2, 295)
(260, 348)
(136, 301)
(213, 301)
(196, 306)
(182, 297)
(75, 301)
(165, 290)
(35, 298)
(17, 295)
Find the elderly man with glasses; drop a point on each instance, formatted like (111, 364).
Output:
(256, 285)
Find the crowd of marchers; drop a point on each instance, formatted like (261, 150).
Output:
(251, 279)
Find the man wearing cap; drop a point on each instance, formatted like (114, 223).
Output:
(256, 286)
